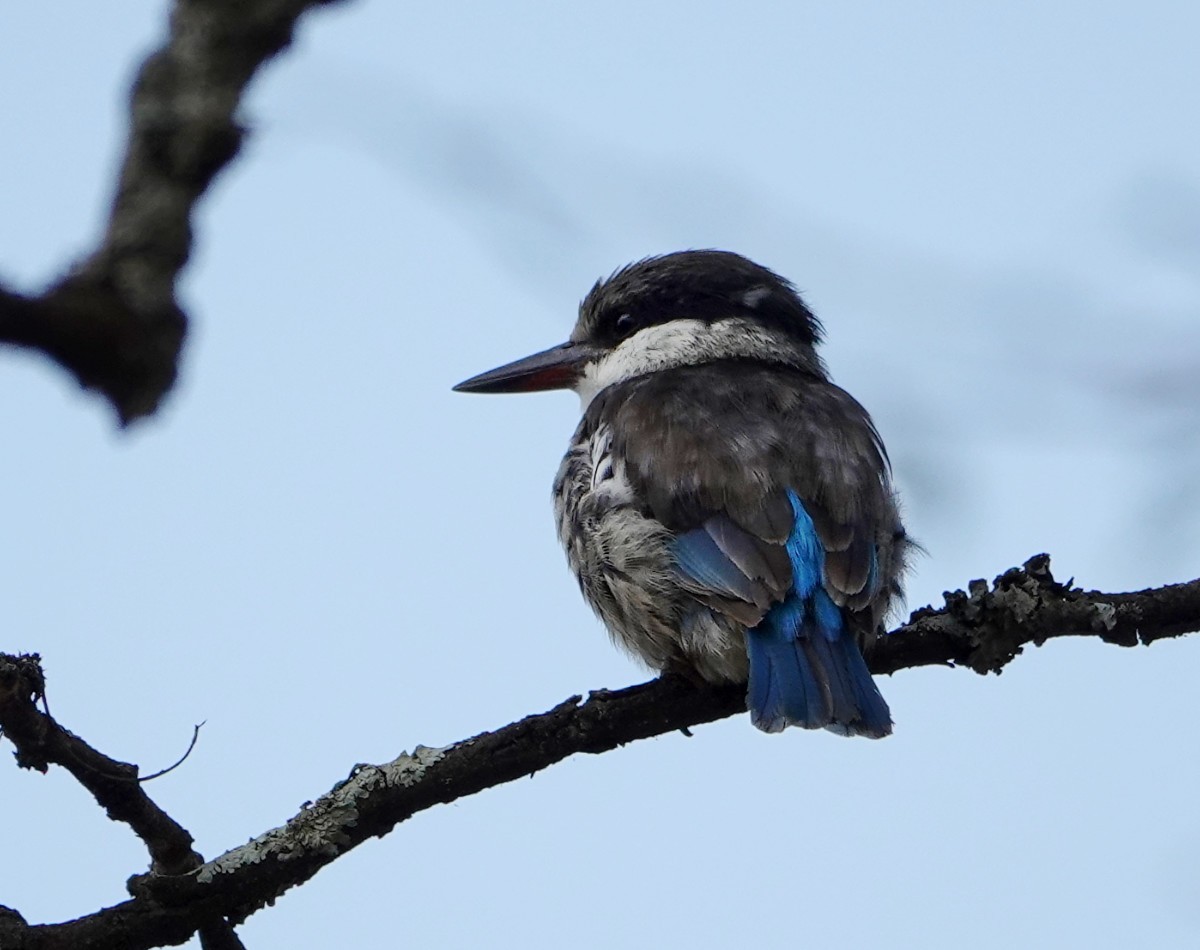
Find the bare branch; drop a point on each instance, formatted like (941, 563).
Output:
(114, 321)
(41, 742)
(984, 629)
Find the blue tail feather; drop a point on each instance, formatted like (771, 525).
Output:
(783, 688)
(805, 667)
(828, 657)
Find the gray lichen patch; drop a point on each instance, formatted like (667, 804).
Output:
(408, 770)
(321, 829)
(1105, 617)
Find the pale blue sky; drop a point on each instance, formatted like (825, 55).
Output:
(330, 557)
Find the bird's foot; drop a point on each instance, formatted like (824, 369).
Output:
(680, 669)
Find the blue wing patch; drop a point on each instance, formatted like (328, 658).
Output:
(698, 556)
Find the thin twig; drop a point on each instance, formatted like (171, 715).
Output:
(183, 758)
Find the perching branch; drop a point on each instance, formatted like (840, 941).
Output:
(113, 321)
(983, 629)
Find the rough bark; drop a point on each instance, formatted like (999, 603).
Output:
(115, 323)
(983, 628)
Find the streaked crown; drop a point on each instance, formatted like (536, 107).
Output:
(706, 285)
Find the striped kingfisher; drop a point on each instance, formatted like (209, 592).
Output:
(727, 510)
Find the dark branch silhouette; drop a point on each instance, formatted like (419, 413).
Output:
(115, 324)
(113, 321)
(983, 628)
(42, 742)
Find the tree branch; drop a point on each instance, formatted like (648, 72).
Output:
(983, 628)
(114, 322)
(41, 742)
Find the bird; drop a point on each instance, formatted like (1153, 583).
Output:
(726, 509)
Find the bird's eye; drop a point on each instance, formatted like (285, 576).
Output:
(624, 324)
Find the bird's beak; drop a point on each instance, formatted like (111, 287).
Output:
(556, 368)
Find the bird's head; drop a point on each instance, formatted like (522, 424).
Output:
(681, 309)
